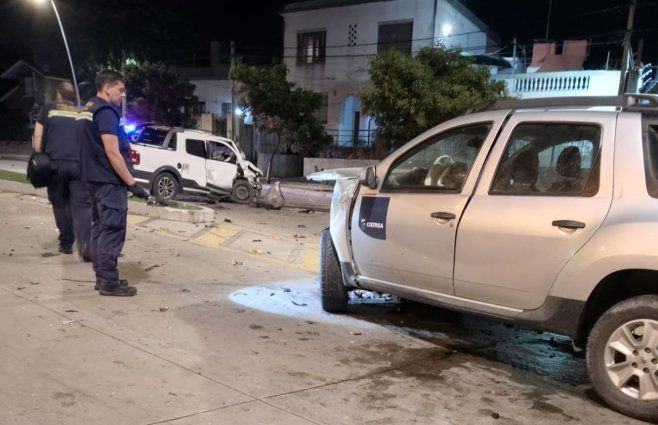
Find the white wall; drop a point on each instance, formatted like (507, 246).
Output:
(214, 93)
(465, 34)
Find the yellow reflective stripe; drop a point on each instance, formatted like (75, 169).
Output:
(65, 114)
(85, 116)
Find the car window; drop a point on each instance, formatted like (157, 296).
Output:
(172, 142)
(442, 163)
(152, 136)
(220, 152)
(196, 147)
(550, 159)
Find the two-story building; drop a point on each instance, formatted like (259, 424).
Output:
(329, 44)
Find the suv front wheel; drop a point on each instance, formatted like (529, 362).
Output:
(334, 292)
(622, 357)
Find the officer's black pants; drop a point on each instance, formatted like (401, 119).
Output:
(108, 231)
(71, 206)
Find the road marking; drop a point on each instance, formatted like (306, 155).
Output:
(236, 239)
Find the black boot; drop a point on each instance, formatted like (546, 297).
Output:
(118, 291)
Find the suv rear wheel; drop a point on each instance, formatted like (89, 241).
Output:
(334, 292)
(622, 357)
(165, 187)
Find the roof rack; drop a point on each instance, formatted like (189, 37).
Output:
(625, 102)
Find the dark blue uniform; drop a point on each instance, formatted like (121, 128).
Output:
(108, 191)
(66, 192)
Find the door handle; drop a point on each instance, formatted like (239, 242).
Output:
(443, 215)
(569, 224)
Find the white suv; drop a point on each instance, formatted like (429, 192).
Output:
(539, 212)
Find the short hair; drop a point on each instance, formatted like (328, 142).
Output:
(67, 92)
(108, 76)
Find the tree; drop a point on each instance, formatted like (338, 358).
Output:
(279, 107)
(412, 94)
(158, 93)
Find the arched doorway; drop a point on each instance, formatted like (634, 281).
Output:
(350, 116)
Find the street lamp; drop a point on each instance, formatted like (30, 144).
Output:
(66, 44)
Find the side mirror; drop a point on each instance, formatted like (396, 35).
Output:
(370, 180)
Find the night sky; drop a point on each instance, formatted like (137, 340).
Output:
(179, 31)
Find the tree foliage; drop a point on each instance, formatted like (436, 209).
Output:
(158, 93)
(412, 94)
(278, 106)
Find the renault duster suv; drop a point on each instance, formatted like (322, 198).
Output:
(541, 212)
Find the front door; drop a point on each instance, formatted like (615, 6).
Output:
(221, 165)
(544, 194)
(404, 233)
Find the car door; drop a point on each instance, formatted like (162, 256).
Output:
(221, 166)
(403, 233)
(545, 192)
(192, 162)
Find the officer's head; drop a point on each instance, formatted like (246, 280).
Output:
(66, 93)
(111, 86)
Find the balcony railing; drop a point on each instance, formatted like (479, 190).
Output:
(567, 83)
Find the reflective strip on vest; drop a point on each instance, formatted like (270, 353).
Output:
(64, 114)
(85, 116)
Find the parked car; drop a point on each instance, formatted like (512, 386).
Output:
(542, 213)
(169, 160)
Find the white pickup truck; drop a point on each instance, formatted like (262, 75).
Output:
(168, 160)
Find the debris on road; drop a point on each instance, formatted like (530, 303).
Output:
(238, 263)
(299, 304)
(148, 269)
(273, 199)
(227, 220)
(68, 322)
(163, 309)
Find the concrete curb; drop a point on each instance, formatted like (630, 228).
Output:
(14, 157)
(201, 215)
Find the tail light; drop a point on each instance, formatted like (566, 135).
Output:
(135, 157)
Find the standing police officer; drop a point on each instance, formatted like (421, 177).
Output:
(108, 171)
(55, 134)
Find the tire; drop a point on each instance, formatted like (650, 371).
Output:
(637, 369)
(165, 187)
(242, 192)
(334, 292)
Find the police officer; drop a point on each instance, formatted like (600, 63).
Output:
(55, 134)
(108, 171)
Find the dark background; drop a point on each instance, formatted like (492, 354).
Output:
(179, 32)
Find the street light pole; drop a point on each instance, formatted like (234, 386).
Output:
(68, 52)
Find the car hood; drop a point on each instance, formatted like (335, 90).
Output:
(336, 174)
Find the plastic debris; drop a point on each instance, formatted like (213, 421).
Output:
(273, 199)
(238, 263)
(163, 309)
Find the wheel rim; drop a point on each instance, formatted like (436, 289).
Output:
(631, 359)
(241, 193)
(166, 187)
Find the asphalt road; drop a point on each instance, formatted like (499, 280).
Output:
(221, 333)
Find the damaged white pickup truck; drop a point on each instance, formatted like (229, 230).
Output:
(542, 213)
(169, 160)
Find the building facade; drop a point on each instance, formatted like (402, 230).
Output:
(329, 44)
